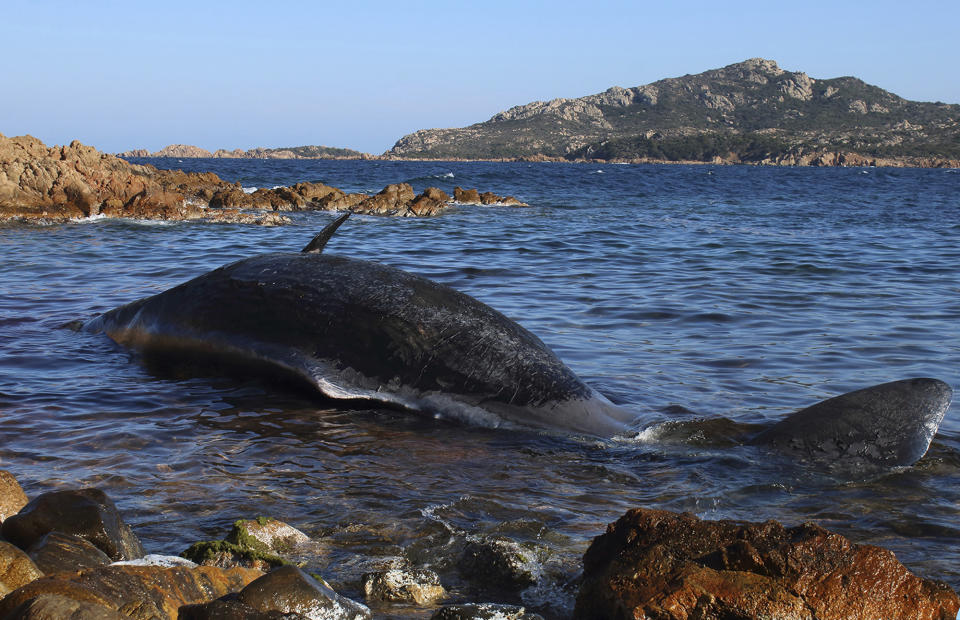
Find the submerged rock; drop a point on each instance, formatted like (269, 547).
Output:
(483, 611)
(473, 197)
(653, 563)
(87, 513)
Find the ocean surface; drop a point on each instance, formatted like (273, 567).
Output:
(681, 292)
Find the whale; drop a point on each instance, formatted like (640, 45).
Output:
(360, 330)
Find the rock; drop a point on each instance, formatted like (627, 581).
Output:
(87, 513)
(12, 497)
(55, 607)
(437, 194)
(391, 199)
(135, 591)
(466, 196)
(155, 559)
(16, 568)
(266, 535)
(223, 554)
(414, 586)
(342, 202)
(423, 205)
(289, 590)
(500, 563)
(230, 608)
(57, 552)
(182, 150)
(230, 197)
(314, 192)
(483, 611)
(653, 563)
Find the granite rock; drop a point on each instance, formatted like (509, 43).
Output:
(12, 497)
(659, 564)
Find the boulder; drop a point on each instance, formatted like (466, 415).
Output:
(223, 554)
(230, 608)
(57, 552)
(135, 591)
(12, 497)
(500, 563)
(87, 513)
(421, 587)
(289, 590)
(16, 568)
(339, 201)
(56, 607)
(267, 535)
(653, 563)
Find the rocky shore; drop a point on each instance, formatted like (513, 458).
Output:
(62, 183)
(70, 554)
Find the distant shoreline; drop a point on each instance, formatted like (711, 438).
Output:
(825, 159)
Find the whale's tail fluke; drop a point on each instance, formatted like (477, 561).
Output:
(886, 425)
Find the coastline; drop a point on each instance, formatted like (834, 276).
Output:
(818, 159)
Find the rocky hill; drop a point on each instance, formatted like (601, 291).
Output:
(752, 111)
(293, 152)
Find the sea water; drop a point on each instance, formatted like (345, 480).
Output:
(681, 292)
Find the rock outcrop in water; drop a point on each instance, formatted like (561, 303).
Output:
(51, 184)
(650, 563)
(182, 151)
(657, 564)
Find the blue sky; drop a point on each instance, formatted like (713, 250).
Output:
(122, 75)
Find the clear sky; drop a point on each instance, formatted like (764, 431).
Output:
(360, 74)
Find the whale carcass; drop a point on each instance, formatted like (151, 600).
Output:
(356, 329)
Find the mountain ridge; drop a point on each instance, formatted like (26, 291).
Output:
(289, 152)
(748, 112)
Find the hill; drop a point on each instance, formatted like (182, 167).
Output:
(752, 111)
(291, 152)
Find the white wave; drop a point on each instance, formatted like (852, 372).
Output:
(249, 190)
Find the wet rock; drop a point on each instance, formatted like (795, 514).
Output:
(391, 199)
(424, 205)
(232, 216)
(55, 607)
(421, 587)
(230, 197)
(87, 513)
(266, 535)
(483, 611)
(155, 559)
(223, 554)
(288, 589)
(339, 201)
(16, 568)
(501, 563)
(466, 196)
(437, 194)
(314, 192)
(12, 497)
(135, 591)
(653, 563)
(231, 608)
(57, 552)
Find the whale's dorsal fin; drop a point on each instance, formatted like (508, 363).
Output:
(317, 244)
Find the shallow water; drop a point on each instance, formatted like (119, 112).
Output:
(680, 292)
